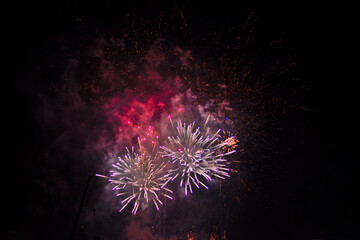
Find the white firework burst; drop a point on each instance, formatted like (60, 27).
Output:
(139, 179)
(197, 154)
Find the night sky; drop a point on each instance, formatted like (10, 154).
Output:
(289, 71)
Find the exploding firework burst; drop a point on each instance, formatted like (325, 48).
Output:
(231, 140)
(196, 154)
(138, 178)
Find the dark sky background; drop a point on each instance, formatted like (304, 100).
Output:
(315, 197)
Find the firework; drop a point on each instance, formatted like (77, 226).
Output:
(139, 179)
(231, 140)
(197, 154)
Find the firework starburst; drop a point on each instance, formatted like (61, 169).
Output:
(197, 154)
(230, 139)
(139, 179)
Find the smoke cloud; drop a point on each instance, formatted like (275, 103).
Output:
(106, 101)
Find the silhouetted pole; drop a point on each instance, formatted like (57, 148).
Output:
(80, 207)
